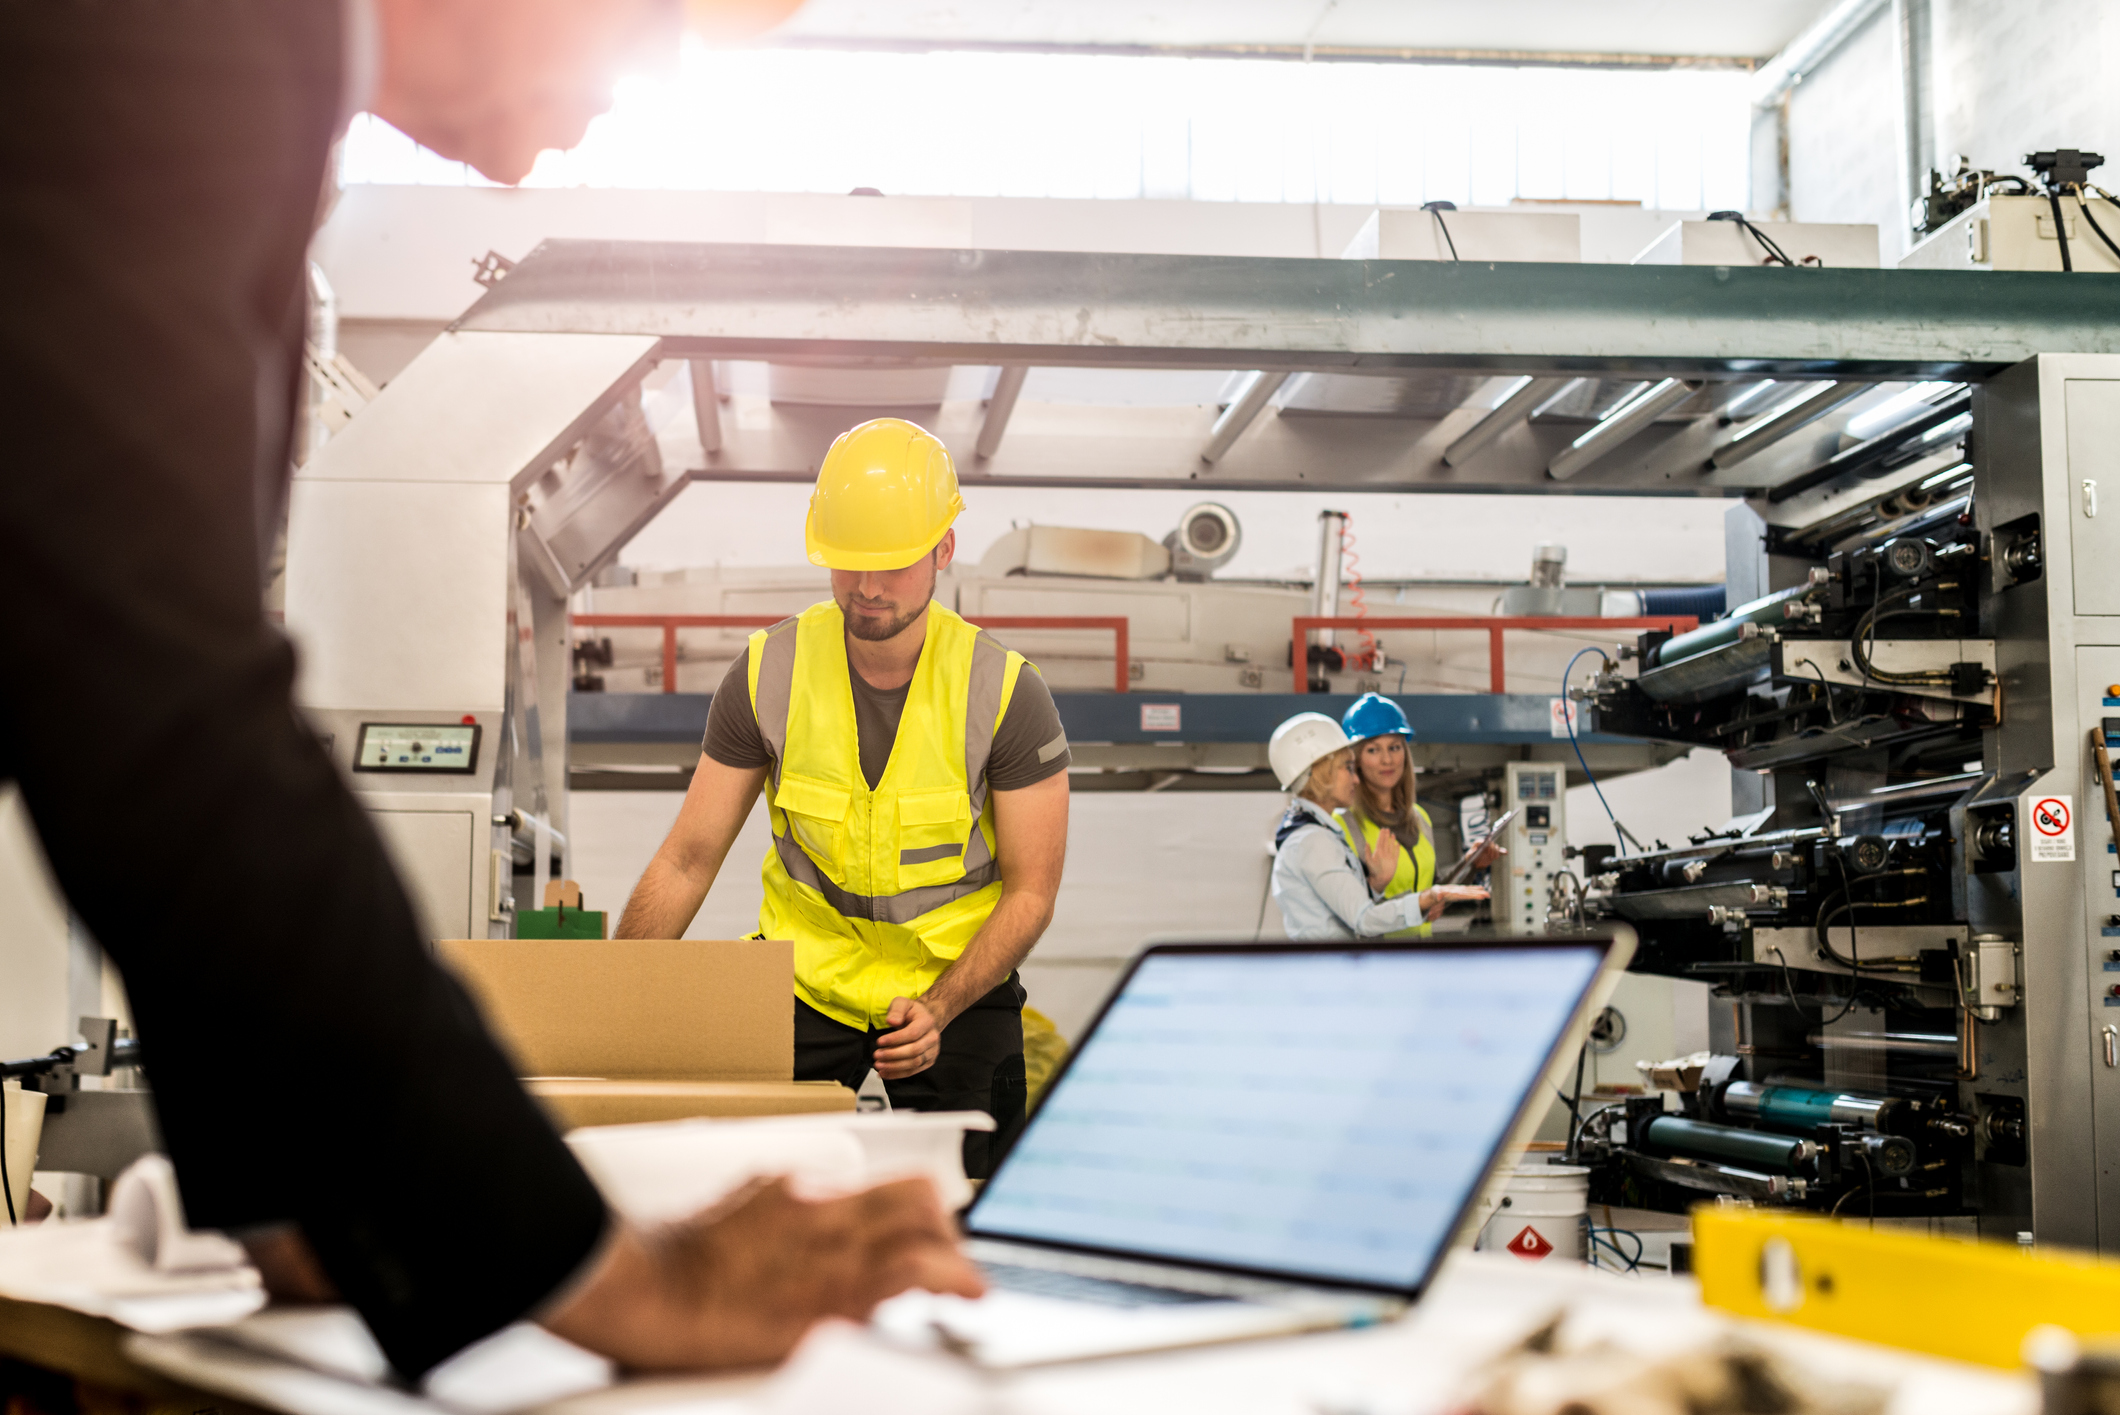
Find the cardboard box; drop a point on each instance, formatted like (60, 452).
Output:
(608, 1032)
(574, 1104)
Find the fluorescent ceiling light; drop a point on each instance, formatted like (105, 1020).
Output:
(1749, 398)
(1894, 410)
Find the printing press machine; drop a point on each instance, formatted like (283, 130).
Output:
(1916, 979)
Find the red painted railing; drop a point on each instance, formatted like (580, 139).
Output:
(670, 623)
(1493, 627)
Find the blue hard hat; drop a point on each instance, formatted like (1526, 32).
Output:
(1374, 715)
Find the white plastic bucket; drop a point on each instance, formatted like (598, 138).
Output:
(24, 1115)
(1541, 1214)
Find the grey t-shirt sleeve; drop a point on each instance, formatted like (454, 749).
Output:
(1030, 744)
(733, 738)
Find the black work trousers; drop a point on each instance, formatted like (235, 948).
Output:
(980, 1066)
(160, 169)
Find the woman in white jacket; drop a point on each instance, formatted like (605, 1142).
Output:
(1325, 891)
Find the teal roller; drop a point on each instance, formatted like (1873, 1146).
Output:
(1747, 1149)
(1802, 1109)
(1726, 630)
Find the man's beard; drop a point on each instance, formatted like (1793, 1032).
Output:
(862, 627)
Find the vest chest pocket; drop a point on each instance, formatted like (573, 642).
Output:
(817, 815)
(933, 827)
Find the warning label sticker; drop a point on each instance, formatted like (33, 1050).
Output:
(1529, 1244)
(1560, 717)
(2052, 834)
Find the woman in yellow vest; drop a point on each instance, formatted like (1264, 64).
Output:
(1386, 825)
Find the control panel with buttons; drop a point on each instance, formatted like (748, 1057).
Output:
(1535, 839)
(445, 748)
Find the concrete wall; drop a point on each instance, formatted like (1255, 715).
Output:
(2015, 76)
(1844, 127)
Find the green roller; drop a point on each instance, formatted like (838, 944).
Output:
(1726, 630)
(1747, 1149)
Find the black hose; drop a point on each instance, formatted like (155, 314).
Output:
(7, 1186)
(1829, 910)
(2083, 204)
(1436, 209)
(1575, 1102)
(2053, 199)
(1867, 625)
(1774, 253)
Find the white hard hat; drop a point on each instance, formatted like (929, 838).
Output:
(1300, 743)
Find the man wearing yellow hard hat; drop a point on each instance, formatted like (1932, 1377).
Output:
(915, 777)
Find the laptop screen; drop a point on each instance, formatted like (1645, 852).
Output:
(1321, 1114)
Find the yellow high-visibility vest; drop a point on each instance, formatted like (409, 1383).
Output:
(879, 890)
(1416, 869)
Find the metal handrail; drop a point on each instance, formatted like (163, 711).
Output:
(1118, 624)
(670, 624)
(1493, 625)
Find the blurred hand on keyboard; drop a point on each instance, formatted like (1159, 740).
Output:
(740, 1284)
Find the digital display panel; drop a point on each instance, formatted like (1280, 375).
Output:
(449, 748)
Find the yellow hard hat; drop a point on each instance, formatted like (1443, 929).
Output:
(886, 495)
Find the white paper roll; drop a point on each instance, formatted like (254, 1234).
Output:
(25, 1130)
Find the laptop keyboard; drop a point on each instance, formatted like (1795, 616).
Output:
(1105, 1292)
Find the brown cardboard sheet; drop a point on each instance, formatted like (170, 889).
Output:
(573, 1103)
(636, 1009)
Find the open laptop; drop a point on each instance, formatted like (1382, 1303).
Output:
(1253, 1140)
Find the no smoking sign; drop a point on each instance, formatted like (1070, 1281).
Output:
(2052, 835)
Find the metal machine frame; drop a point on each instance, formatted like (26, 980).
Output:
(1968, 1073)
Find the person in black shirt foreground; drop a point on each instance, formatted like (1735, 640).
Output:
(325, 1091)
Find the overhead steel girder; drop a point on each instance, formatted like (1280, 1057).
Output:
(1064, 308)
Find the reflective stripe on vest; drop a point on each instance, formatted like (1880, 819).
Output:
(896, 856)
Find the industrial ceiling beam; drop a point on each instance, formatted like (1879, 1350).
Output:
(1007, 388)
(1606, 437)
(706, 406)
(1063, 308)
(1773, 427)
(1252, 397)
(1508, 413)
